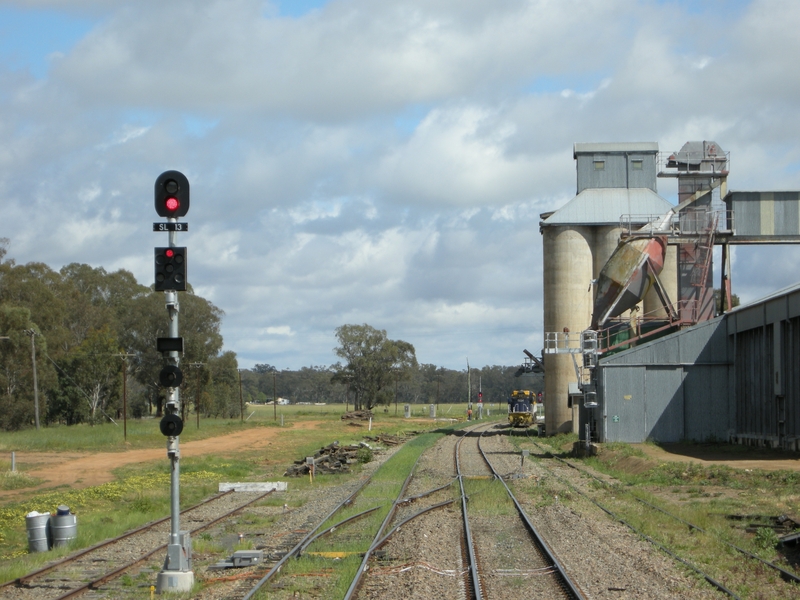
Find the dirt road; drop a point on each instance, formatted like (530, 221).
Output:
(737, 457)
(80, 470)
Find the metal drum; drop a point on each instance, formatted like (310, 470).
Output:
(36, 525)
(63, 526)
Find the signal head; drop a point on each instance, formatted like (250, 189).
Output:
(172, 194)
(171, 425)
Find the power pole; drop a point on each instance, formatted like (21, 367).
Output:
(125, 394)
(469, 386)
(241, 401)
(197, 365)
(33, 334)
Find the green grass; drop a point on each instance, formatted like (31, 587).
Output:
(17, 480)
(144, 433)
(327, 578)
(313, 577)
(140, 493)
(108, 437)
(488, 497)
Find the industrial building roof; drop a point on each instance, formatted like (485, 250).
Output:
(605, 206)
(600, 148)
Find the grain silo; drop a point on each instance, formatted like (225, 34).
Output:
(614, 179)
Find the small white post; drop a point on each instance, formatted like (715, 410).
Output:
(13, 461)
(370, 424)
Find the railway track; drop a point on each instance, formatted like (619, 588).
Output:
(93, 571)
(410, 542)
(791, 580)
(424, 553)
(448, 550)
(526, 556)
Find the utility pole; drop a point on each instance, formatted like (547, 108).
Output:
(197, 365)
(33, 334)
(469, 386)
(197, 401)
(124, 394)
(241, 401)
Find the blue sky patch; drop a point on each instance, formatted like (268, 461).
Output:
(199, 126)
(28, 37)
(298, 8)
(409, 119)
(717, 8)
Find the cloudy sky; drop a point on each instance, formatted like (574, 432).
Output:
(363, 161)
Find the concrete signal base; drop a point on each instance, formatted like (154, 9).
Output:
(169, 582)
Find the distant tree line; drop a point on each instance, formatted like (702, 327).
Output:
(94, 332)
(427, 384)
(88, 327)
(389, 374)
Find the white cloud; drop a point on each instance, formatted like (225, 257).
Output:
(283, 330)
(126, 134)
(380, 162)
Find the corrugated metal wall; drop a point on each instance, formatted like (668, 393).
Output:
(668, 390)
(664, 403)
(791, 364)
(764, 213)
(755, 405)
(734, 378)
(618, 171)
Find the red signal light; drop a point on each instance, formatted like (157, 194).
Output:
(170, 253)
(172, 204)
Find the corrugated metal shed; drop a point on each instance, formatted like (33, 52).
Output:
(733, 378)
(604, 206)
(669, 389)
(607, 147)
(780, 305)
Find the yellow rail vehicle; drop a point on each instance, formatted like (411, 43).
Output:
(520, 408)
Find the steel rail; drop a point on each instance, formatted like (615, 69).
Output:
(564, 580)
(397, 527)
(473, 561)
(354, 585)
(371, 510)
(785, 575)
(277, 566)
(721, 587)
(424, 494)
(336, 526)
(96, 583)
(25, 579)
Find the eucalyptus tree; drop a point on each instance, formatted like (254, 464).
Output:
(374, 364)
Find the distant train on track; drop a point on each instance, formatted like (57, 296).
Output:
(521, 408)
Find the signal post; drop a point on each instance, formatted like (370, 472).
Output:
(172, 201)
